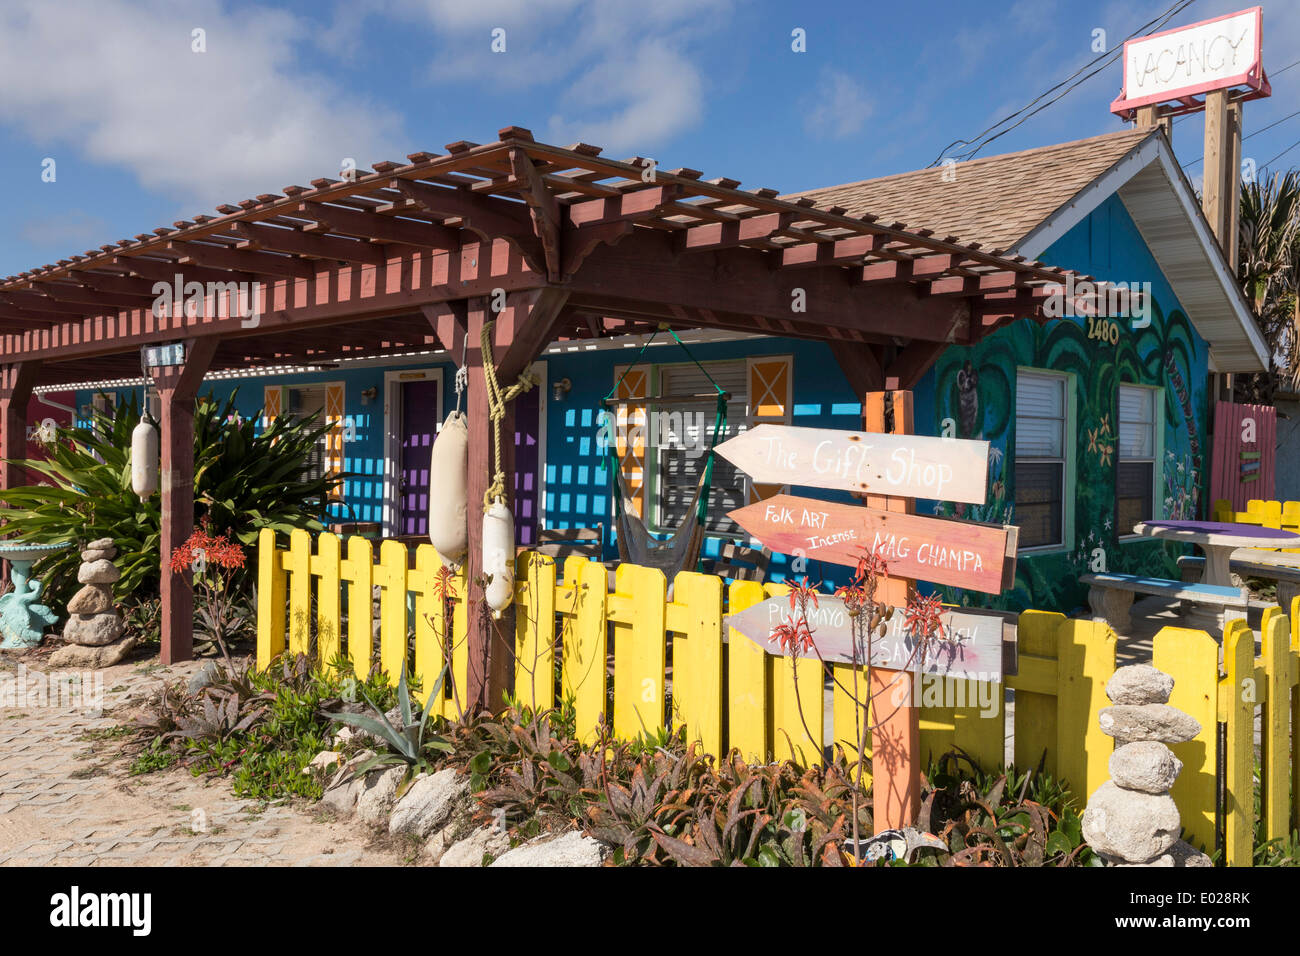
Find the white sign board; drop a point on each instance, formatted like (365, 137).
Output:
(1211, 55)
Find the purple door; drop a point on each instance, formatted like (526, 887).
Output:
(527, 466)
(420, 416)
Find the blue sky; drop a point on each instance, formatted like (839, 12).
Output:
(144, 131)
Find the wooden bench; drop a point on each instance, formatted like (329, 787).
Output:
(1279, 566)
(1111, 596)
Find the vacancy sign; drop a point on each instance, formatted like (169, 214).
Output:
(1178, 64)
(908, 466)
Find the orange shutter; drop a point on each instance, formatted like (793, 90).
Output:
(632, 420)
(334, 437)
(770, 396)
(271, 403)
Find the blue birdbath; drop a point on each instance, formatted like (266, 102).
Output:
(22, 621)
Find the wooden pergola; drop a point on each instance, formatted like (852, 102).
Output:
(415, 255)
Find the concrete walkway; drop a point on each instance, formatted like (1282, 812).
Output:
(66, 798)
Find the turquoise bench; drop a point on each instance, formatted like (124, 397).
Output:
(1111, 595)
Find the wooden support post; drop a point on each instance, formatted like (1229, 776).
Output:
(1218, 157)
(16, 382)
(490, 642)
(1232, 184)
(178, 385)
(896, 734)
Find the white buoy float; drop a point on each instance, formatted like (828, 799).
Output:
(144, 459)
(498, 557)
(449, 490)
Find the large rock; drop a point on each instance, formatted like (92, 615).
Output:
(92, 599)
(378, 794)
(1139, 684)
(1130, 826)
(98, 572)
(428, 803)
(1130, 722)
(93, 630)
(1148, 766)
(77, 655)
(1180, 854)
(342, 794)
(570, 849)
(205, 676)
(470, 851)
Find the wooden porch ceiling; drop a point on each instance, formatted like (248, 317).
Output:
(347, 266)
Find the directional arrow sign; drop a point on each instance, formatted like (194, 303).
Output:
(974, 652)
(960, 553)
(909, 466)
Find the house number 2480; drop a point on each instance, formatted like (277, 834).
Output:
(1103, 330)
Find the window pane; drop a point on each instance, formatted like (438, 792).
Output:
(1136, 422)
(1040, 416)
(684, 431)
(1040, 395)
(1038, 438)
(1039, 511)
(1134, 481)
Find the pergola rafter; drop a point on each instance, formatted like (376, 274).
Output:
(410, 257)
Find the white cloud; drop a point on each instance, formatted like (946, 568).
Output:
(117, 82)
(64, 230)
(625, 75)
(841, 107)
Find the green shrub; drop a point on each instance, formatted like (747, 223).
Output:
(244, 480)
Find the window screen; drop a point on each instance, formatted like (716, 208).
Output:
(683, 432)
(1135, 477)
(304, 402)
(1041, 434)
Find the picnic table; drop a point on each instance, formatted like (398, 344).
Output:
(1219, 540)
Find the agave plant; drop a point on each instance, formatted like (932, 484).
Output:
(410, 744)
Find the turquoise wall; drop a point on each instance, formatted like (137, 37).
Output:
(1169, 354)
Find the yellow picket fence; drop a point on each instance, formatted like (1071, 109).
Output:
(630, 658)
(1267, 514)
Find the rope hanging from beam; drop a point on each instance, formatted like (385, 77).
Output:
(497, 400)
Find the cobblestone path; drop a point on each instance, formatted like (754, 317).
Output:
(66, 798)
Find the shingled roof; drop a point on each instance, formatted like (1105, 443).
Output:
(994, 200)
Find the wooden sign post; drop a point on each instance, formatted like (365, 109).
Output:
(896, 731)
(888, 467)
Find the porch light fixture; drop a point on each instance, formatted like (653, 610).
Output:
(561, 388)
(369, 394)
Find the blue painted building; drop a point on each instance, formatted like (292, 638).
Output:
(1094, 423)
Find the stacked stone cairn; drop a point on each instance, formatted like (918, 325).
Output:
(1131, 820)
(94, 629)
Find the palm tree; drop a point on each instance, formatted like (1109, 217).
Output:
(1269, 272)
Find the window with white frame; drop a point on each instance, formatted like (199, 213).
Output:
(681, 433)
(1135, 473)
(1042, 433)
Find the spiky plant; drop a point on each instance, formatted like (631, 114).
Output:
(409, 744)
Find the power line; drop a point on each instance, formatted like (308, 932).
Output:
(1256, 133)
(1101, 62)
(1281, 154)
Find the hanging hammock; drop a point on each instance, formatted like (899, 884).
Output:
(636, 544)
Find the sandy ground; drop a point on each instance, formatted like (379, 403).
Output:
(66, 798)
